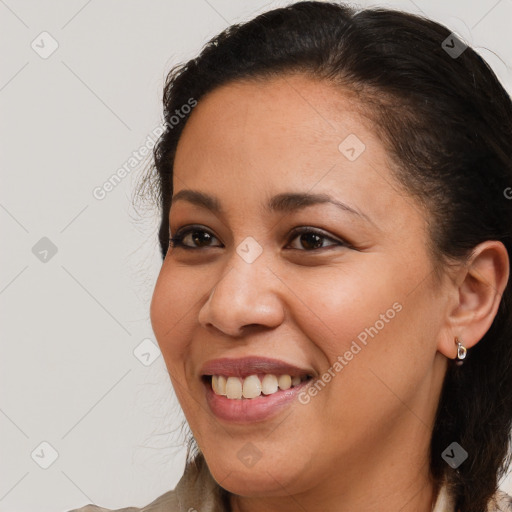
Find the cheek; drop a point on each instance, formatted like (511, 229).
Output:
(371, 327)
(171, 313)
(170, 310)
(349, 305)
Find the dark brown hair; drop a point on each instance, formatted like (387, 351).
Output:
(446, 122)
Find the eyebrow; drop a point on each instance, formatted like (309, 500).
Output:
(285, 203)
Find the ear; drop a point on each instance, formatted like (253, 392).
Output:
(477, 290)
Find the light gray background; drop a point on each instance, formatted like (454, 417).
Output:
(70, 325)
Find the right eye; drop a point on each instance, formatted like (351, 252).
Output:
(197, 235)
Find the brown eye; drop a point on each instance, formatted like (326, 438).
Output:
(311, 239)
(197, 237)
(201, 238)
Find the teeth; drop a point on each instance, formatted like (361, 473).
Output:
(269, 384)
(234, 387)
(285, 382)
(252, 386)
(219, 384)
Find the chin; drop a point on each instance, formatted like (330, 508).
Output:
(255, 484)
(263, 479)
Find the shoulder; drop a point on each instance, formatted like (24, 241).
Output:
(501, 502)
(168, 502)
(445, 502)
(196, 490)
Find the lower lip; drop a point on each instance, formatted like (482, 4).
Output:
(249, 410)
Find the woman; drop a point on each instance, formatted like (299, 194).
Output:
(334, 305)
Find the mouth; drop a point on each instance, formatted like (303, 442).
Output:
(256, 398)
(252, 386)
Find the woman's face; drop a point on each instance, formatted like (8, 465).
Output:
(355, 306)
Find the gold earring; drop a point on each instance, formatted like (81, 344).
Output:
(461, 352)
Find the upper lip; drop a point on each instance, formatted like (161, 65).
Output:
(250, 365)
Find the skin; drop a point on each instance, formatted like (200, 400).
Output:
(362, 442)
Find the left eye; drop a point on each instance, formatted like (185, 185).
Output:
(313, 239)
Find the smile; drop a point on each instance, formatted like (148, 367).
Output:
(253, 386)
(255, 398)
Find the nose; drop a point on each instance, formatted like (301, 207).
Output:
(246, 295)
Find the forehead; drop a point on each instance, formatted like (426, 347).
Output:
(245, 141)
(239, 118)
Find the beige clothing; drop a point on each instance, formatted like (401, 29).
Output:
(197, 491)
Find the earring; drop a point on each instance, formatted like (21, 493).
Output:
(461, 352)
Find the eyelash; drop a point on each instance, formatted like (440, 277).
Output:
(176, 241)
